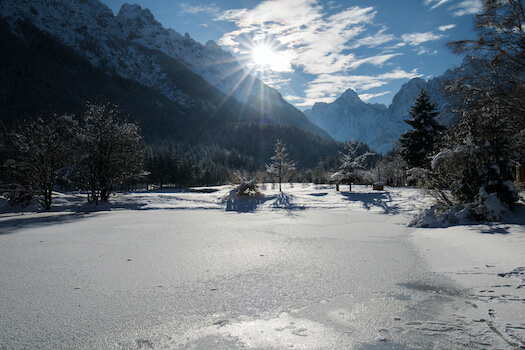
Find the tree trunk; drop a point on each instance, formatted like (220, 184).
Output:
(47, 199)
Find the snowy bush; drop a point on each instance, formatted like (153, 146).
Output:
(486, 207)
(19, 197)
(417, 177)
(244, 197)
(247, 188)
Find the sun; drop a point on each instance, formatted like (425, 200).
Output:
(265, 57)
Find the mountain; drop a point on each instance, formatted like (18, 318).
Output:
(349, 118)
(201, 82)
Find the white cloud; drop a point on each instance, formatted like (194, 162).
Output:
(320, 43)
(467, 7)
(378, 60)
(314, 41)
(211, 8)
(416, 39)
(366, 97)
(292, 98)
(425, 51)
(446, 27)
(276, 81)
(437, 3)
(374, 40)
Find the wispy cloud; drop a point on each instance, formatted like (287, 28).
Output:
(374, 40)
(211, 8)
(366, 97)
(466, 7)
(446, 27)
(416, 39)
(436, 3)
(326, 47)
(315, 41)
(425, 51)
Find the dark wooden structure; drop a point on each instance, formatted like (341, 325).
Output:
(520, 175)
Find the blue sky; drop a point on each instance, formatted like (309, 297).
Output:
(312, 51)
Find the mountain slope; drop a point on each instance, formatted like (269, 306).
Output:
(134, 46)
(41, 75)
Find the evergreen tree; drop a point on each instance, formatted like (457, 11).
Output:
(419, 143)
(280, 165)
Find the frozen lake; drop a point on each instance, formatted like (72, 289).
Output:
(146, 277)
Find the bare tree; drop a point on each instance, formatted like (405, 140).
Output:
(113, 150)
(41, 152)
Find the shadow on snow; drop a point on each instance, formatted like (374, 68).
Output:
(21, 221)
(249, 204)
(369, 200)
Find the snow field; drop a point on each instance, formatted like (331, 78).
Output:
(109, 274)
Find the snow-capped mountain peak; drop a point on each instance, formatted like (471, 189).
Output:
(350, 97)
(349, 118)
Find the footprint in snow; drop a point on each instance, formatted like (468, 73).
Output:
(301, 332)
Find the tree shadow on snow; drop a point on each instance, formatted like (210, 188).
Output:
(249, 204)
(244, 204)
(21, 221)
(285, 201)
(369, 200)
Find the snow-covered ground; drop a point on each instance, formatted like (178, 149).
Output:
(488, 260)
(310, 268)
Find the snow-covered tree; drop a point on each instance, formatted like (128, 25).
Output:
(476, 159)
(477, 162)
(40, 152)
(419, 143)
(500, 50)
(353, 165)
(113, 150)
(280, 165)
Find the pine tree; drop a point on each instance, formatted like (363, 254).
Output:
(280, 166)
(420, 142)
